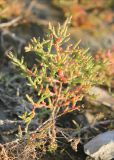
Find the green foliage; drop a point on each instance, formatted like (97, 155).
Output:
(62, 74)
(108, 69)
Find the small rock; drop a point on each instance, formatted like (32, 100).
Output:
(101, 147)
(101, 97)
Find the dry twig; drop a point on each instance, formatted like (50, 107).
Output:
(10, 23)
(84, 129)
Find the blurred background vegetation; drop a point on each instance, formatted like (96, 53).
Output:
(92, 21)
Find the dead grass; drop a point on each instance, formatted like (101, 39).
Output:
(11, 8)
(17, 150)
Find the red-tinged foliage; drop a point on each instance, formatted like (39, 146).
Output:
(64, 73)
(107, 70)
(87, 14)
